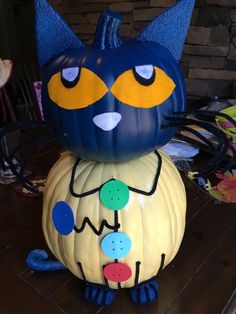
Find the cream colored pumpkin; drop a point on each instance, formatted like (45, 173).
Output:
(155, 224)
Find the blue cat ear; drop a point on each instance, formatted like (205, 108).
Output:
(171, 27)
(53, 35)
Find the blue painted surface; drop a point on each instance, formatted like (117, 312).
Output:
(145, 292)
(107, 33)
(140, 130)
(171, 27)
(116, 245)
(63, 218)
(53, 35)
(98, 294)
(38, 261)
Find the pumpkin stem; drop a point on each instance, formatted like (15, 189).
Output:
(107, 33)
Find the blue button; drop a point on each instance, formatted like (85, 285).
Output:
(116, 245)
(63, 218)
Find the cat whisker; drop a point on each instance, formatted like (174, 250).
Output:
(214, 151)
(208, 113)
(40, 140)
(39, 147)
(223, 141)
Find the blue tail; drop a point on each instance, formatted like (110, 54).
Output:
(37, 260)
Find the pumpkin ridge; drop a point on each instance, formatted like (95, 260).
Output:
(174, 206)
(82, 171)
(60, 239)
(68, 201)
(47, 215)
(149, 165)
(152, 165)
(176, 197)
(164, 200)
(130, 171)
(53, 171)
(172, 214)
(101, 236)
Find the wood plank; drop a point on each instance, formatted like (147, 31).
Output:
(17, 297)
(25, 299)
(47, 283)
(71, 299)
(16, 215)
(212, 284)
(201, 236)
(123, 304)
(197, 199)
(231, 305)
(14, 260)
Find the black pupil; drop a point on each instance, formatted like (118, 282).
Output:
(70, 83)
(144, 81)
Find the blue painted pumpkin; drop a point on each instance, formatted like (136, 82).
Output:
(111, 100)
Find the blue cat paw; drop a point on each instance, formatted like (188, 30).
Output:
(145, 293)
(99, 295)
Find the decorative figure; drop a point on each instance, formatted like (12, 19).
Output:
(114, 204)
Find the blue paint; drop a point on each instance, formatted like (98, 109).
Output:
(201, 181)
(116, 245)
(99, 294)
(140, 130)
(63, 218)
(145, 292)
(38, 260)
(171, 27)
(107, 33)
(53, 35)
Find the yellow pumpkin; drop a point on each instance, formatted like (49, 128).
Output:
(155, 223)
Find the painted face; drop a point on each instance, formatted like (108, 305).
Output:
(111, 100)
(112, 104)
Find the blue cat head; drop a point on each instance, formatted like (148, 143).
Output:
(111, 99)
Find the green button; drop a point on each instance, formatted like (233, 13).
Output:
(114, 195)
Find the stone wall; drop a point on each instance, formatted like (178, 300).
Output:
(209, 59)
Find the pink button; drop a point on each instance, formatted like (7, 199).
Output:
(117, 272)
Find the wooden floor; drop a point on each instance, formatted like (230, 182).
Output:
(200, 280)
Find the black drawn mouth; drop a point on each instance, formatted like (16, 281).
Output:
(96, 231)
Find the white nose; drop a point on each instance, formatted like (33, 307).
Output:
(107, 121)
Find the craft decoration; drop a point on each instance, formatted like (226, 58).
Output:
(170, 28)
(115, 248)
(53, 36)
(98, 88)
(114, 211)
(117, 100)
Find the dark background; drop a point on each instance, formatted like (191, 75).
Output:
(209, 60)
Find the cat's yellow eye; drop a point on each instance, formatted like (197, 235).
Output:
(143, 87)
(76, 88)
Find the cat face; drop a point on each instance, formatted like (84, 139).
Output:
(111, 100)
